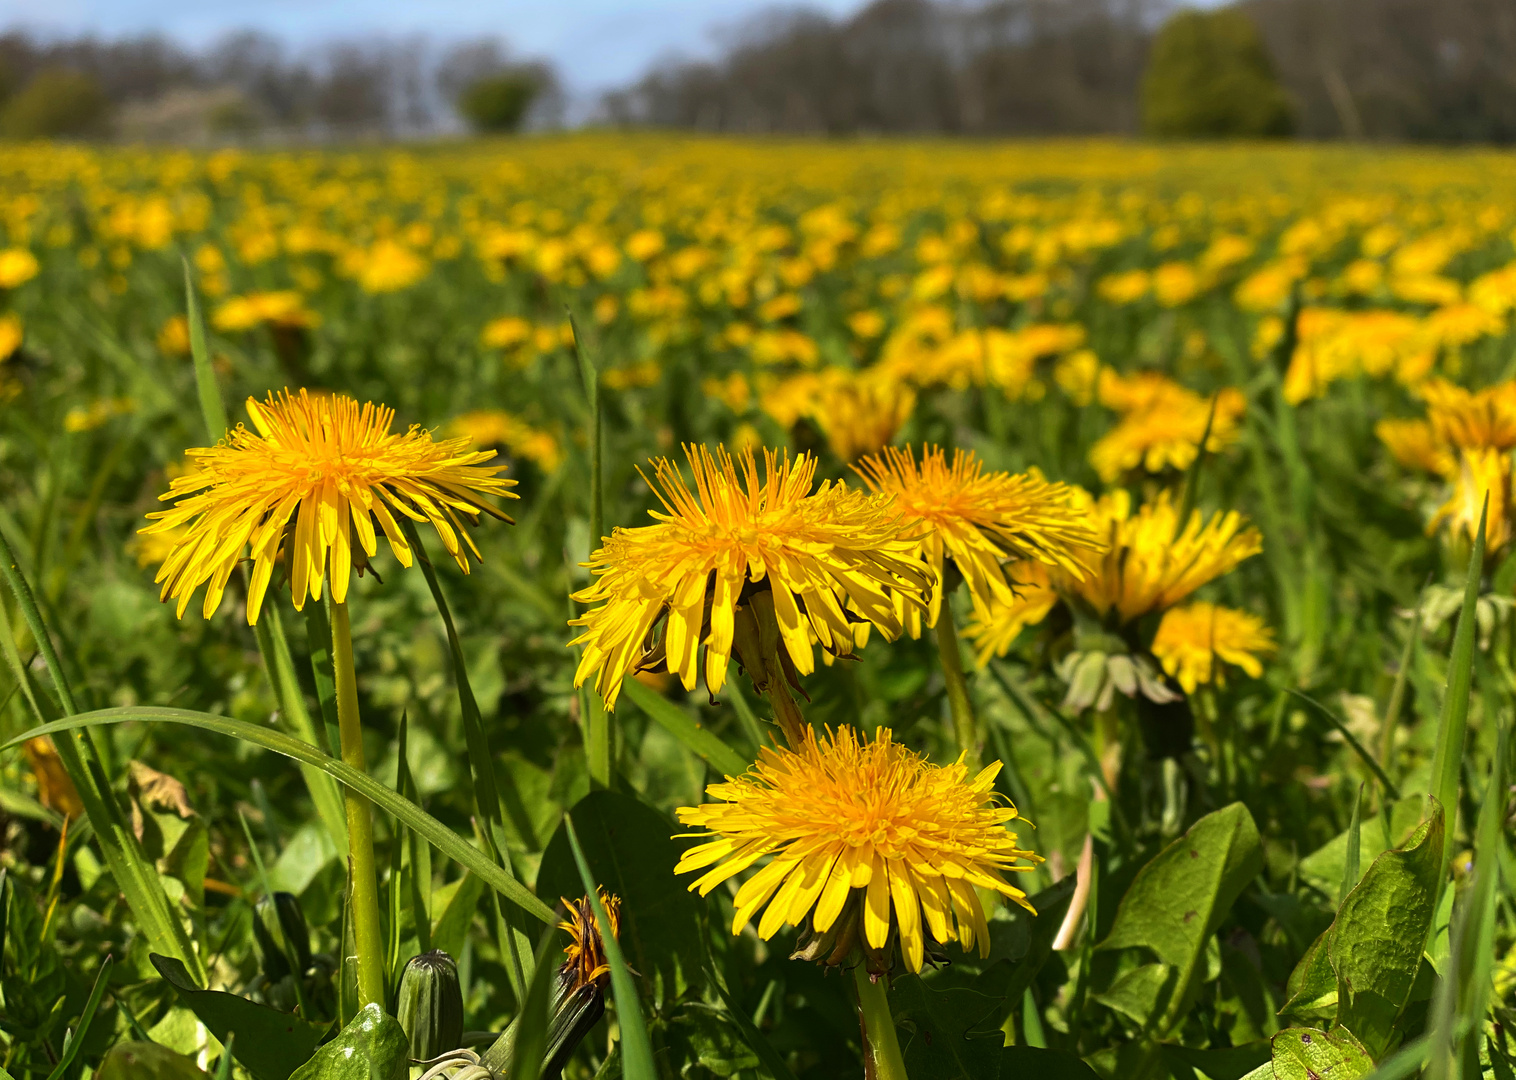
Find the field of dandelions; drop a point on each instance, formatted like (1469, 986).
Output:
(952, 610)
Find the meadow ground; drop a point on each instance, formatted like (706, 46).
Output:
(1221, 684)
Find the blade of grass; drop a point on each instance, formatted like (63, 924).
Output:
(1192, 475)
(1397, 691)
(487, 788)
(1391, 791)
(279, 664)
(636, 1047)
(596, 720)
(135, 876)
(682, 726)
(437, 834)
(81, 1031)
(224, 1066)
(746, 717)
(211, 406)
(529, 1047)
(397, 857)
(1353, 856)
(1454, 723)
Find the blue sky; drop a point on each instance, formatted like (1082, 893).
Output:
(595, 43)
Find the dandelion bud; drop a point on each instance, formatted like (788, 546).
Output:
(431, 1005)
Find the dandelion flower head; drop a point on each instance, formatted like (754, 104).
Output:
(306, 489)
(830, 560)
(844, 820)
(1192, 638)
(980, 519)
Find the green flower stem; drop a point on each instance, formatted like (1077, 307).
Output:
(965, 723)
(881, 1050)
(367, 932)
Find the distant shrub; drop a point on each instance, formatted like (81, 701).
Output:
(498, 103)
(1209, 76)
(56, 104)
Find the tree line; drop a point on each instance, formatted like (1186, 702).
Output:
(1442, 70)
(1435, 70)
(250, 84)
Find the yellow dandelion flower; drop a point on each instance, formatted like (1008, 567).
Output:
(282, 309)
(1415, 444)
(1151, 562)
(1192, 638)
(860, 835)
(495, 427)
(584, 962)
(17, 266)
(1479, 473)
(980, 519)
(316, 476)
(828, 559)
(994, 629)
(1162, 424)
(860, 415)
(1472, 419)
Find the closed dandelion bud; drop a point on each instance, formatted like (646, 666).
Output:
(431, 1005)
(282, 936)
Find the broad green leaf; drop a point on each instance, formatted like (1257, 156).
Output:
(712, 1040)
(439, 835)
(1375, 944)
(1312, 989)
(1312, 1054)
(937, 1035)
(1142, 993)
(372, 1047)
(147, 1061)
(631, 851)
(636, 1046)
(1020, 944)
(1179, 899)
(684, 727)
(270, 1044)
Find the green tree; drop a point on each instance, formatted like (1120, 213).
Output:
(497, 103)
(57, 103)
(1209, 76)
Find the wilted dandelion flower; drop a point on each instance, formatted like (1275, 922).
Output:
(584, 962)
(1192, 638)
(979, 519)
(864, 838)
(828, 560)
(306, 488)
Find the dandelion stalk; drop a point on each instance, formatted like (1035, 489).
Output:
(367, 931)
(965, 724)
(882, 1058)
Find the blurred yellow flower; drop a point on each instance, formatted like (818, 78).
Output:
(17, 266)
(1192, 638)
(388, 266)
(11, 334)
(495, 427)
(284, 308)
(1162, 424)
(89, 417)
(173, 336)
